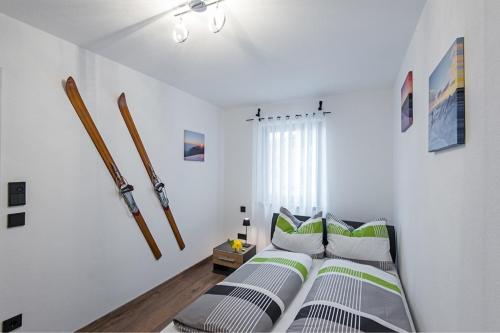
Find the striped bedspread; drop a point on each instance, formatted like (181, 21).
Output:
(252, 298)
(386, 266)
(348, 296)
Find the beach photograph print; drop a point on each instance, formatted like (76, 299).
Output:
(407, 103)
(194, 146)
(447, 100)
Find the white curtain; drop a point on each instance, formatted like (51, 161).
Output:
(289, 170)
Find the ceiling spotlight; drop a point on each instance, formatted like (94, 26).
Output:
(217, 20)
(180, 32)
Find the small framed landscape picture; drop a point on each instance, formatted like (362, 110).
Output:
(447, 100)
(407, 103)
(194, 146)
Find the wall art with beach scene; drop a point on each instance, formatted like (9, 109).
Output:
(194, 146)
(447, 100)
(407, 103)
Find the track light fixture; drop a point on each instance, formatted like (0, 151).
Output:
(216, 21)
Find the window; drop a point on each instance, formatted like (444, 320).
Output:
(290, 164)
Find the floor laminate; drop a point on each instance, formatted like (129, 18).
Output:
(154, 310)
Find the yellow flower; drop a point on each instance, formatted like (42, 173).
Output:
(236, 244)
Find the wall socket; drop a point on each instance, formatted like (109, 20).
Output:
(243, 209)
(17, 194)
(12, 323)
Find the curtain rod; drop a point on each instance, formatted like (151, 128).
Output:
(259, 118)
(287, 116)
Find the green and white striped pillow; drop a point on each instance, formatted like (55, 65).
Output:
(368, 242)
(307, 238)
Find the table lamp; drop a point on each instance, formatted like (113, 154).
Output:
(246, 224)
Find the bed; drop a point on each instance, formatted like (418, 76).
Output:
(306, 311)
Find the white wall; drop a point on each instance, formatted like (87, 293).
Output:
(446, 204)
(80, 254)
(359, 135)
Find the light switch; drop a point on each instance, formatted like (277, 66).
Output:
(16, 220)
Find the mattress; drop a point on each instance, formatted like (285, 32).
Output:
(288, 316)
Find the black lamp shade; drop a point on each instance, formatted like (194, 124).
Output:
(246, 222)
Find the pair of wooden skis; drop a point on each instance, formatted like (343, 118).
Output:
(125, 188)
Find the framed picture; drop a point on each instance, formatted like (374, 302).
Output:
(407, 103)
(194, 146)
(447, 100)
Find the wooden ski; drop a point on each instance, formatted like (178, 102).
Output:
(158, 186)
(124, 188)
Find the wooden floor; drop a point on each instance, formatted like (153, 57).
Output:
(154, 310)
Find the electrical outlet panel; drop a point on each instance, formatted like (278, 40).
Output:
(17, 194)
(12, 323)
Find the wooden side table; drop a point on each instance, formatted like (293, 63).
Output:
(226, 261)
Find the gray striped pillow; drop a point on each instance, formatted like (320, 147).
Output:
(332, 217)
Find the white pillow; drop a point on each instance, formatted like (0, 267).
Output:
(368, 242)
(307, 238)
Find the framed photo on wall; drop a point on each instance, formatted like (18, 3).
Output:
(194, 146)
(407, 102)
(447, 100)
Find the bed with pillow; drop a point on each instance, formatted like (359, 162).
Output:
(355, 287)
(359, 288)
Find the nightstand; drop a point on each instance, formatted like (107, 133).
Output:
(226, 261)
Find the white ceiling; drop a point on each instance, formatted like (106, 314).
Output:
(269, 50)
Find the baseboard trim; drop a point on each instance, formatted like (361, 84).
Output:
(147, 294)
